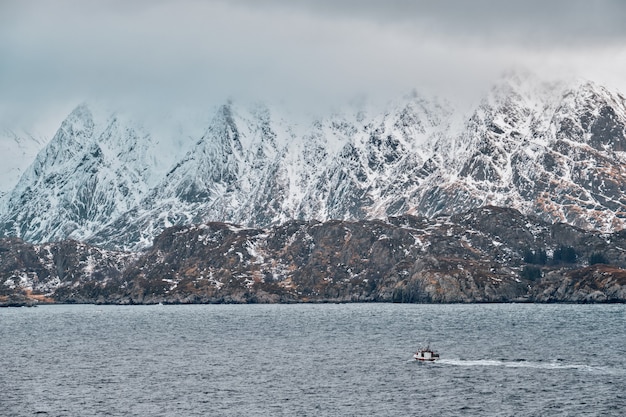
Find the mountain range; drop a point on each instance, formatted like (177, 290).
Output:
(555, 151)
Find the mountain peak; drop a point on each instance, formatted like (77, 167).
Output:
(79, 124)
(552, 150)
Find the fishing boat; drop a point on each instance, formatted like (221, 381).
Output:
(426, 354)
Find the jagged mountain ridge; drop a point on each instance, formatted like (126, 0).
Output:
(562, 160)
(253, 169)
(555, 151)
(87, 174)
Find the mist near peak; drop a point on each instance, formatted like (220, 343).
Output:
(161, 56)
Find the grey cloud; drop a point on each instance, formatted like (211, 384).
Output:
(529, 22)
(198, 53)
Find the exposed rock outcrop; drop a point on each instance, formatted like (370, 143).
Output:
(485, 255)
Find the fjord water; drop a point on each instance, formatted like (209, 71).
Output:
(313, 360)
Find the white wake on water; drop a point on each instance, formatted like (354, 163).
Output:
(555, 364)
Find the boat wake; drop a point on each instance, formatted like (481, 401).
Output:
(521, 363)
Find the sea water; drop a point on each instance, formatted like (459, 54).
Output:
(313, 360)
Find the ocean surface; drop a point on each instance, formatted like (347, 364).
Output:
(313, 360)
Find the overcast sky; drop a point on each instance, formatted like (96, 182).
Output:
(161, 54)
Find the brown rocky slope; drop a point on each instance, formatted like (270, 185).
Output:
(488, 254)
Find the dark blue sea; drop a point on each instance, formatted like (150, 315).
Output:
(313, 360)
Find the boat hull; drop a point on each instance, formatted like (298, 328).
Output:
(426, 360)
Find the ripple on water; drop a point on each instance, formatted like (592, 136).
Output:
(313, 360)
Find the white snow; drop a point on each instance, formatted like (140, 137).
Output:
(108, 174)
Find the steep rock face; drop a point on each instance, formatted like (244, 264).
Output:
(579, 176)
(555, 153)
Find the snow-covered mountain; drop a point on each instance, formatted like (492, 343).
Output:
(255, 167)
(556, 151)
(553, 150)
(93, 170)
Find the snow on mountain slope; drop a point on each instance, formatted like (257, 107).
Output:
(17, 152)
(579, 176)
(553, 150)
(93, 170)
(375, 172)
(217, 178)
(556, 153)
(254, 167)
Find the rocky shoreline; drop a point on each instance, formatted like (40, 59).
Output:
(487, 255)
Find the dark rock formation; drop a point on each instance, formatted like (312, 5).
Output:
(67, 271)
(485, 255)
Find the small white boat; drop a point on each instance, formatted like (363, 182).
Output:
(426, 354)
